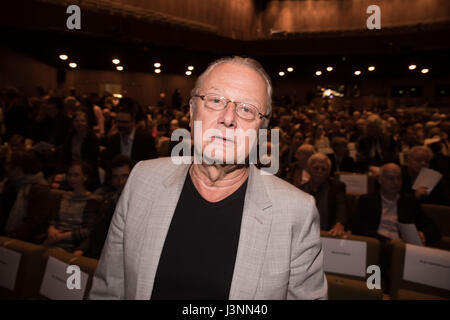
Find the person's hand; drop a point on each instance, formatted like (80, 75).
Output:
(421, 192)
(422, 237)
(54, 235)
(338, 230)
(78, 253)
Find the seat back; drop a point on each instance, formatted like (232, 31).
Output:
(440, 216)
(406, 289)
(29, 272)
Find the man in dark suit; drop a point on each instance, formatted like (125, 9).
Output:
(340, 160)
(329, 194)
(129, 141)
(378, 214)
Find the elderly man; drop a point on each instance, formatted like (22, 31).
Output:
(417, 158)
(211, 230)
(378, 214)
(329, 194)
(297, 172)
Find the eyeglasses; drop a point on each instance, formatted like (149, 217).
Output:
(243, 110)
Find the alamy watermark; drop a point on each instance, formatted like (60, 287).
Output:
(229, 146)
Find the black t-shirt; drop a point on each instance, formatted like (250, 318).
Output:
(199, 253)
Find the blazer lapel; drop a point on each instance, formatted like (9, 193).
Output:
(159, 217)
(255, 229)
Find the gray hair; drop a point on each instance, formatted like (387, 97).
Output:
(319, 157)
(252, 64)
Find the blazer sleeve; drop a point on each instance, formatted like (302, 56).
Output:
(307, 279)
(109, 279)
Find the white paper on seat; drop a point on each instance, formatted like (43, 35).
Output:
(344, 256)
(427, 266)
(427, 178)
(409, 233)
(9, 266)
(54, 283)
(355, 183)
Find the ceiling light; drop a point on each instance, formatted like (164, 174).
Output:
(63, 57)
(119, 68)
(318, 73)
(329, 69)
(412, 67)
(357, 72)
(371, 68)
(157, 70)
(425, 70)
(72, 65)
(191, 68)
(116, 61)
(281, 73)
(157, 64)
(290, 69)
(188, 73)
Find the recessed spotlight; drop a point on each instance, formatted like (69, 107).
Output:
(329, 69)
(281, 73)
(63, 56)
(191, 68)
(357, 73)
(371, 68)
(116, 61)
(412, 67)
(188, 73)
(290, 69)
(318, 73)
(72, 65)
(157, 64)
(119, 68)
(425, 70)
(157, 70)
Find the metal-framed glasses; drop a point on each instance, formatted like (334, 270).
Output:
(244, 110)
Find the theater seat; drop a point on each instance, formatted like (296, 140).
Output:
(31, 268)
(87, 265)
(401, 289)
(344, 286)
(440, 215)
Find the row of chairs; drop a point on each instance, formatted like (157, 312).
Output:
(343, 286)
(31, 271)
(29, 275)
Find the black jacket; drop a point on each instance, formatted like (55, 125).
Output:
(368, 216)
(143, 147)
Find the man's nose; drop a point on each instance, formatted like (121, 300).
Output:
(228, 116)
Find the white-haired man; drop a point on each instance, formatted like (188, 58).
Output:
(215, 229)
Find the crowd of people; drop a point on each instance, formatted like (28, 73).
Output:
(65, 160)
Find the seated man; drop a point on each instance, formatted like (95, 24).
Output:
(378, 214)
(297, 173)
(120, 170)
(340, 160)
(417, 158)
(25, 200)
(329, 194)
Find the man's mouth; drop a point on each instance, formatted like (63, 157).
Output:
(221, 139)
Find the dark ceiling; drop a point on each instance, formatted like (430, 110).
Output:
(40, 31)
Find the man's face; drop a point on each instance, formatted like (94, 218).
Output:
(391, 180)
(225, 130)
(319, 171)
(119, 177)
(125, 122)
(418, 160)
(298, 139)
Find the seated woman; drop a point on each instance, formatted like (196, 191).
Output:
(74, 212)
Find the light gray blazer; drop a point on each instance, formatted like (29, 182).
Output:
(279, 254)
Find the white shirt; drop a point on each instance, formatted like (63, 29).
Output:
(126, 143)
(389, 220)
